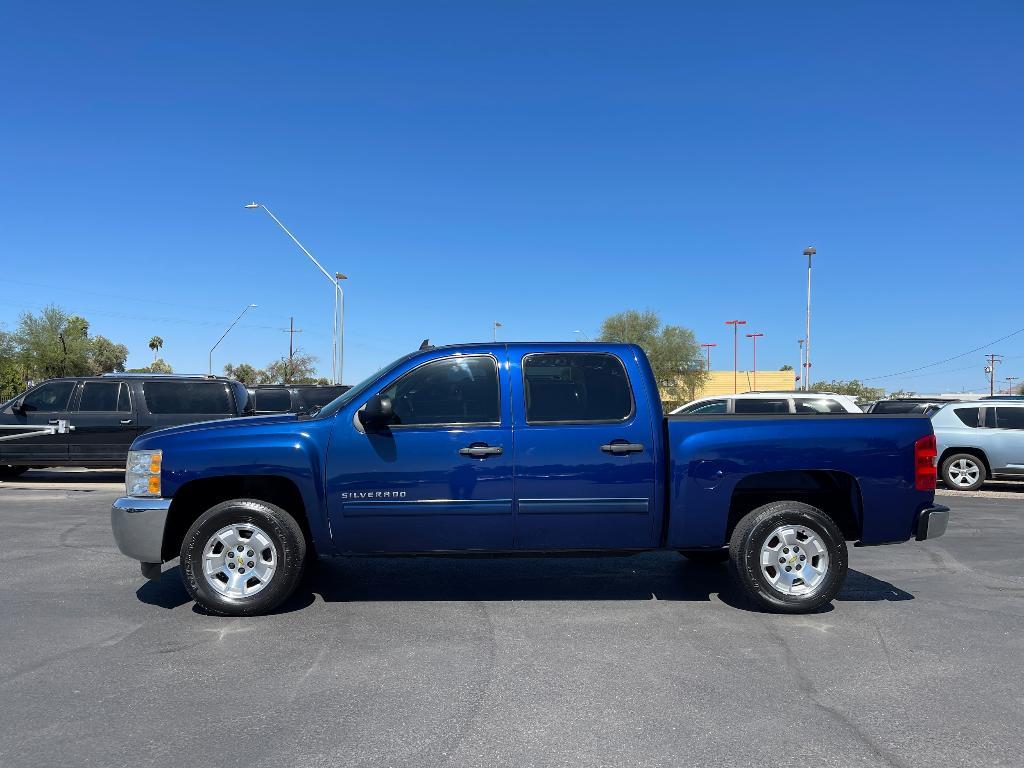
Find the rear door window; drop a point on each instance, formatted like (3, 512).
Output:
(1009, 418)
(192, 397)
(710, 407)
(824, 405)
(104, 397)
(759, 405)
(576, 387)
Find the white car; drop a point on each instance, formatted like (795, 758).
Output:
(771, 402)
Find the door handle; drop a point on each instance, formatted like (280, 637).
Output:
(126, 421)
(481, 451)
(620, 449)
(53, 421)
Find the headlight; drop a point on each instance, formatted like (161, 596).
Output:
(142, 475)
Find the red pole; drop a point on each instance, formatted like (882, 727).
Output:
(755, 337)
(735, 352)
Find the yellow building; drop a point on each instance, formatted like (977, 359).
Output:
(721, 383)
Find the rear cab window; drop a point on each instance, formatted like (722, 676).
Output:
(207, 398)
(576, 388)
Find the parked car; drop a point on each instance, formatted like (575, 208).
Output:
(923, 405)
(979, 440)
(420, 458)
(771, 402)
(105, 414)
(293, 398)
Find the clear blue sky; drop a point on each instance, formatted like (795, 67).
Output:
(543, 164)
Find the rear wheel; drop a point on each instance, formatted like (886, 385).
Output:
(963, 472)
(788, 557)
(242, 557)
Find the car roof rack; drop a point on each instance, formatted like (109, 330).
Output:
(115, 375)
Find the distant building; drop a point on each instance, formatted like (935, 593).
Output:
(721, 383)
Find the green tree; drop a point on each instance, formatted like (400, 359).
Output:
(853, 388)
(673, 351)
(105, 356)
(300, 368)
(157, 366)
(12, 379)
(156, 344)
(786, 367)
(899, 394)
(53, 344)
(245, 373)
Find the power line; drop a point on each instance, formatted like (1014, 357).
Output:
(948, 359)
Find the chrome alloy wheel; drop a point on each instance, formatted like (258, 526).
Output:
(963, 473)
(794, 560)
(239, 560)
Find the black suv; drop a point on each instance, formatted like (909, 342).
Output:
(293, 398)
(106, 414)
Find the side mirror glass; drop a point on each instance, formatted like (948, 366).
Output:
(377, 412)
(19, 405)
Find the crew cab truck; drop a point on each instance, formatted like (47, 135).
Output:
(523, 448)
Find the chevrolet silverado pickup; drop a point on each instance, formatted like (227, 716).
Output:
(523, 449)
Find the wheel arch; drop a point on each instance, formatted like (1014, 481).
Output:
(972, 451)
(837, 494)
(197, 496)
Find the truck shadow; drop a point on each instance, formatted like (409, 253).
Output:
(654, 576)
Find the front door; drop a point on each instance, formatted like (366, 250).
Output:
(104, 422)
(585, 455)
(439, 477)
(43, 406)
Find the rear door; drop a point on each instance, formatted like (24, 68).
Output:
(105, 425)
(45, 405)
(585, 453)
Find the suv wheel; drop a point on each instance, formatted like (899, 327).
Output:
(788, 557)
(242, 558)
(963, 472)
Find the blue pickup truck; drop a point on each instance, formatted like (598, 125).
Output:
(523, 448)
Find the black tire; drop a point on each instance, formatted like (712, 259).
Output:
(705, 556)
(279, 526)
(9, 472)
(962, 465)
(753, 531)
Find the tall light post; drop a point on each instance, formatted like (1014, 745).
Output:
(209, 369)
(755, 337)
(339, 308)
(801, 368)
(809, 252)
(735, 352)
(707, 348)
(338, 294)
(494, 331)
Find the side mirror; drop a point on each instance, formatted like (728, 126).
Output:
(18, 406)
(377, 412)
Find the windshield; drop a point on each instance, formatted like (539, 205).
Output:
(363, 386)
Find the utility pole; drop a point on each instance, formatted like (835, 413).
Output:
(291, 331)
(707, 348)
(1009, 384)
(809, 252)
(990, 369)
(735, 352)
(755, 337)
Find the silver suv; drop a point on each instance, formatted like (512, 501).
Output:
(979, 440)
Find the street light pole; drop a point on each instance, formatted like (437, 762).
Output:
(809, 252)
(335, 341)
(735, 352)
(339, 303)
(801, 368)
(209, 369)
(494, 331)
(755, 337)
(708, 347)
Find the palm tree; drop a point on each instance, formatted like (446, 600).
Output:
(156, 343)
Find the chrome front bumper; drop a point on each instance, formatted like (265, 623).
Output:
(932, 522)
(138, 526)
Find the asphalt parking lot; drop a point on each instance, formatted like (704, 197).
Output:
(641, 661)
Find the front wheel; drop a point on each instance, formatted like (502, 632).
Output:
(788, 557)
(243, 557)
(963, 472)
